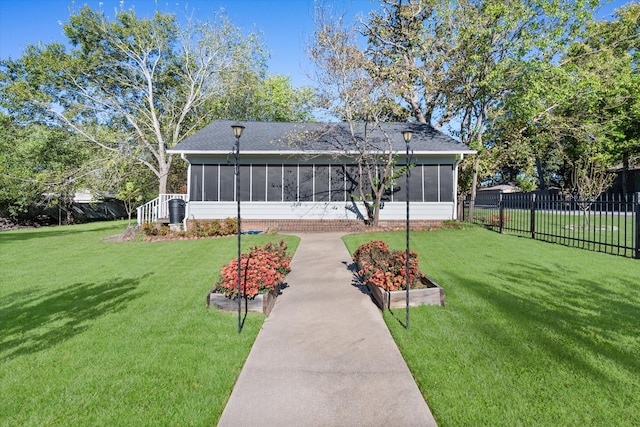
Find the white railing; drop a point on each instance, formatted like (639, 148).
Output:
(157, 208)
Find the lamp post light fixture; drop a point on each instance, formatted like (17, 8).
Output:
(406, 135)
(237, 132)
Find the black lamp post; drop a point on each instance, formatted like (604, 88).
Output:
(237, 132)
(406, 134)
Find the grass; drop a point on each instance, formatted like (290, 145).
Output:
(532, 334)
(97, 333)
(610, 232)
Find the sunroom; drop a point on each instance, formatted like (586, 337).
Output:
(307, 171)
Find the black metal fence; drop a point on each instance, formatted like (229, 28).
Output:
(610, 224)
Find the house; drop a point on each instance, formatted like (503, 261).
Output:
(307, 171)
(494, 190)
(626, 182)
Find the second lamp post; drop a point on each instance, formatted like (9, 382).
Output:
(237, 132)
(406, 135)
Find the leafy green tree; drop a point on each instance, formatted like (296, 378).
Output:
(268, 99)
(149, 81)
(131, 196)
(495, 42)
(18, 186)
(611, 51)
(577, 118)
(456, 61)
(41, 166)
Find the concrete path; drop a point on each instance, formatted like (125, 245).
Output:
(324, 356)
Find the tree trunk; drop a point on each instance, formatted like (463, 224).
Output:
(625, 173)
(163, 176)
(542, 185)
(162, 187)
(474, 185)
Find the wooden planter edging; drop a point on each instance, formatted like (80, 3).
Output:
(433, 295)
(262, 303)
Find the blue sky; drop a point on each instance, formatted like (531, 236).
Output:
(286, 24)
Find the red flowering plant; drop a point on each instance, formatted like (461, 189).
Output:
(379, 265)
(261, 270)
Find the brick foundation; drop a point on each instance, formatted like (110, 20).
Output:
(323, 226)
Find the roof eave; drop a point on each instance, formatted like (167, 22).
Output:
(309, 152)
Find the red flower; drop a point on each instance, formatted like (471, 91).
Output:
(260, 271)
(380, 266)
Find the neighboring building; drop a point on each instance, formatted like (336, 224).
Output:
(279, 180)
(494, 190)
(632, 178)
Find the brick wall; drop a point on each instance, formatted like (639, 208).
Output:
(338, 225)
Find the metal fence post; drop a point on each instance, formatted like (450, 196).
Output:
(532, 226)
(501, 211)
(636, 212)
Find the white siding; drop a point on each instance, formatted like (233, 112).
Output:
(316, 210)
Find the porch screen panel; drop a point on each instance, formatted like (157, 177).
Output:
(352, 178)
(322, 182)
(393, 192)
(337, 183)
(306, 183)
(415, 183)
(431, 183)
(245, 183)
(274, 183)
(399, 190)
(290, 184)
(210, 186)
(227, 183)
(258, 183)
(446, 183)
(195, 193)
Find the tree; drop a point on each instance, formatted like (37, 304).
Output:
(131, 196)
(269, 99)
(455, 61)
(410, 45)
(496, 41)
(147, 80)
(348, 90)
(41, 166)
(611, 50)
(582, 110)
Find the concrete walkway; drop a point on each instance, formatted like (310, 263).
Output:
(324, 356)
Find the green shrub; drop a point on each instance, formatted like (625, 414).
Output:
(195, 228)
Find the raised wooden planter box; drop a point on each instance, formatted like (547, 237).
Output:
(432, 295)
(262, 303)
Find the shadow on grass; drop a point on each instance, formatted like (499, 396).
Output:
(401, 322)
(574, 321)
(33, 321)
(51, 231)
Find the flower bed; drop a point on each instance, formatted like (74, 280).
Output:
(262, 271)
(261, 303)
(384, 273)
(382, 267)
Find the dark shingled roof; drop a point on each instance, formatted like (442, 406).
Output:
(269, 137)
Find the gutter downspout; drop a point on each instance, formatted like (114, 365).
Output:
(455, 193)
(186, 209)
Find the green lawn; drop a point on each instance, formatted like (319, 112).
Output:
(532, 334)
(599, 231)
(96, 333)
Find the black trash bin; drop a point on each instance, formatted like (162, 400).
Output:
(176, 211)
